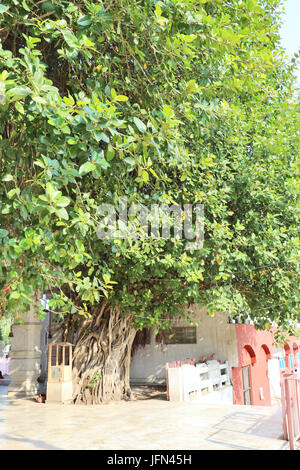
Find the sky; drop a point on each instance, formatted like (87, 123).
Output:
(290, 30)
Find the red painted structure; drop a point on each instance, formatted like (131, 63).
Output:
(255, 348)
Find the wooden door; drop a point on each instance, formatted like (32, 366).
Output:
(246, 385)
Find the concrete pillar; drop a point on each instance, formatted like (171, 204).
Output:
(25, 356)
(176, 388)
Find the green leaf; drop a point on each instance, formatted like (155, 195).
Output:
(102, 163)
(121, 98)
(101, 136)
(69, 100)
(110, 153)
(17, 93)
(15, 295)
(158, 10)
(87, 167)
(62, 201)
(84, 21)
(62, 213)
(3, 8)
(4, 75)
(8, 178)
(189, 37)
(51, 191)
(139, 124)
(168, 111)
(19, 107)
(25, 6)
(130, 161)
(153, 172)
(39, 163)
(12, 193)
(3, 233)
(145, 176)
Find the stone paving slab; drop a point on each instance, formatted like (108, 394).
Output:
(136, 425)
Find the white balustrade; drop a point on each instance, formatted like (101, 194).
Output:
(186, 381)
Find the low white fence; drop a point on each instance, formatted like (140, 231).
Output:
(187, 381)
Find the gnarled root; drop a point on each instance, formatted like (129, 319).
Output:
(101, 361)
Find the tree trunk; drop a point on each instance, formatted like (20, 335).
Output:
(101, 361)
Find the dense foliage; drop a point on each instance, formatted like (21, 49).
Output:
(175, 101)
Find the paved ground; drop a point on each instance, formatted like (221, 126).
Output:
(153, 424)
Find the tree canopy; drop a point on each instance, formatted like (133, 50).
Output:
(164, 102)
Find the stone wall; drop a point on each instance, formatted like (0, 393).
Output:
(25, 355)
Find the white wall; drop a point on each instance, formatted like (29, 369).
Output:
(274, 377)
(274, 373)
(214, 335)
